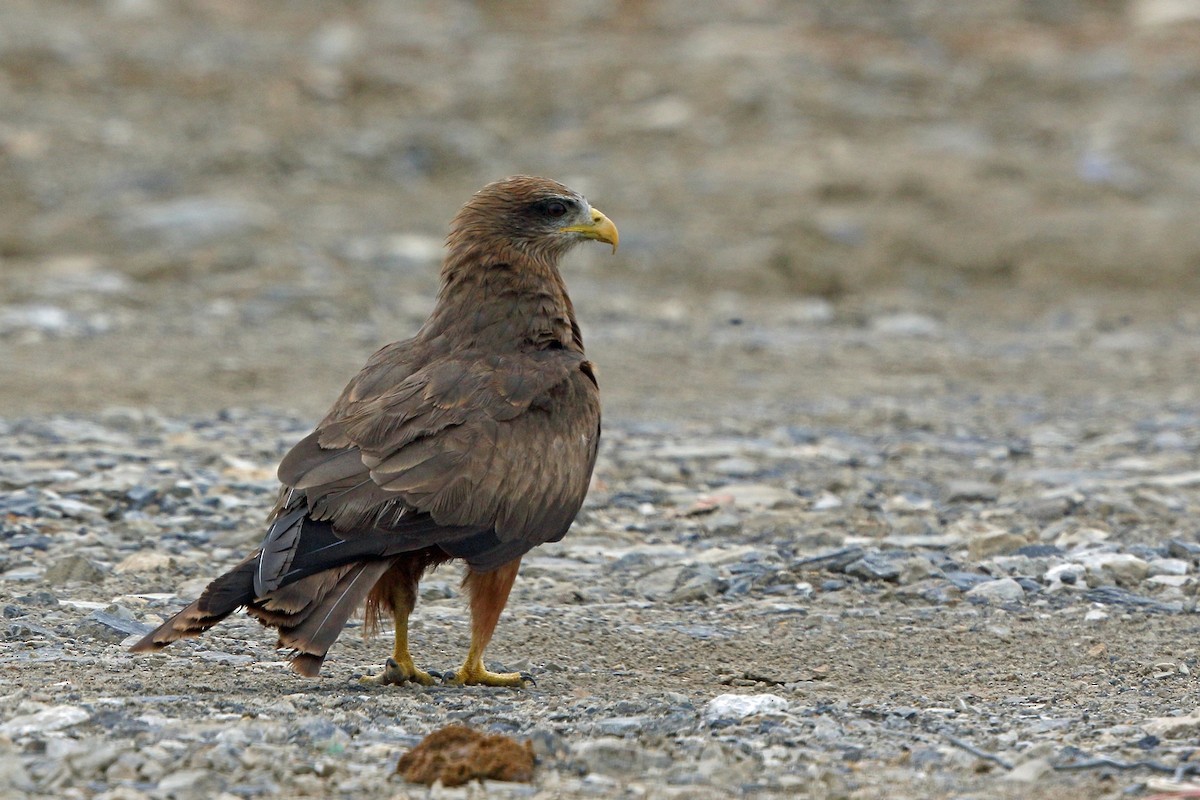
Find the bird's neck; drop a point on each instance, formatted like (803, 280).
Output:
(504, 304)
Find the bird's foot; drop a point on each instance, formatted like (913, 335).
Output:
(395, 672)
(478, 675)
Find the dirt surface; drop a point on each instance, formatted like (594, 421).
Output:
(898, 359)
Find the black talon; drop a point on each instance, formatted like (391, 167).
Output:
(525, 676)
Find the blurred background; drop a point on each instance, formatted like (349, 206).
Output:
(211, 203)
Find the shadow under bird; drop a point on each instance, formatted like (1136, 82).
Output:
(473, 440)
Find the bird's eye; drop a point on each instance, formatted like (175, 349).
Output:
(556, 208)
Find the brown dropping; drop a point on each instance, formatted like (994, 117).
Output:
(456, 754)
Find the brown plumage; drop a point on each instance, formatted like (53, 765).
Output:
(475, 439)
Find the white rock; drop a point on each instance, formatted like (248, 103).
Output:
(1001, 590)
(907, 504)
(1123, 568)
(1175, 581)
(1029, 771)
(759, 495)
(1162, 13)
(1174, 727)
(719, 556)
(1095, 615)
(826, 502)
(906, 324)
(740, 706)
(336, 42)
(55, 718)
(188, 783)
(13, 775)
(1168, 566)
(1080, 536)
(988, 540)
(42, 318)
(663, 114)
(144, 562)
(67, 275)
(76, 509)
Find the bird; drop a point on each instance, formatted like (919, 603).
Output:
(474, 440)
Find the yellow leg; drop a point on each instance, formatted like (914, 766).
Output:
(400, 667)
(489, 594)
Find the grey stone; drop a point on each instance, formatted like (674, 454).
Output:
(751, 496)
(738, 467)
(436, 590)
(695, 583)
(13, 775)
(1179, 548)
(1029, 771)
(1124, 569)
(1113, 595)
(73, 568)
(1030, 585)
(874, 566)
(1168, 566)
(621, 726)
(999, 591)
(1039, 551)
(609, 755)
(39, 599)
(190, 784)
(113, 624)
(680, 583)
(1046, 510)
(722, 523)
(72, 508)
(965, 581)
(1186, 726)
(971, 491)
(994, 541)
(548, 745)
(54, 718)
(26, 503)
(835, 561)
(95, 756)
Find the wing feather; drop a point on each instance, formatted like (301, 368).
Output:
(476, 440)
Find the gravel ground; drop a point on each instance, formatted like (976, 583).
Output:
(923, 593)
(901, 342)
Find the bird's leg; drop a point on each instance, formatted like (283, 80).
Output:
(489, 593)
(400, 587)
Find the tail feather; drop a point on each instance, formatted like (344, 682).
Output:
(307, 579)
(221, 598)
(318, 625)
(309, 613)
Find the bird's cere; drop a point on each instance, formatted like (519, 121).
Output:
(600, 228)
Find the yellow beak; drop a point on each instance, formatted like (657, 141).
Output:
(600, 228)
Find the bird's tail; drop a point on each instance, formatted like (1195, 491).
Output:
(221, 598)
(309, 613)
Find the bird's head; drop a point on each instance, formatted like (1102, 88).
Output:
(537, 216)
